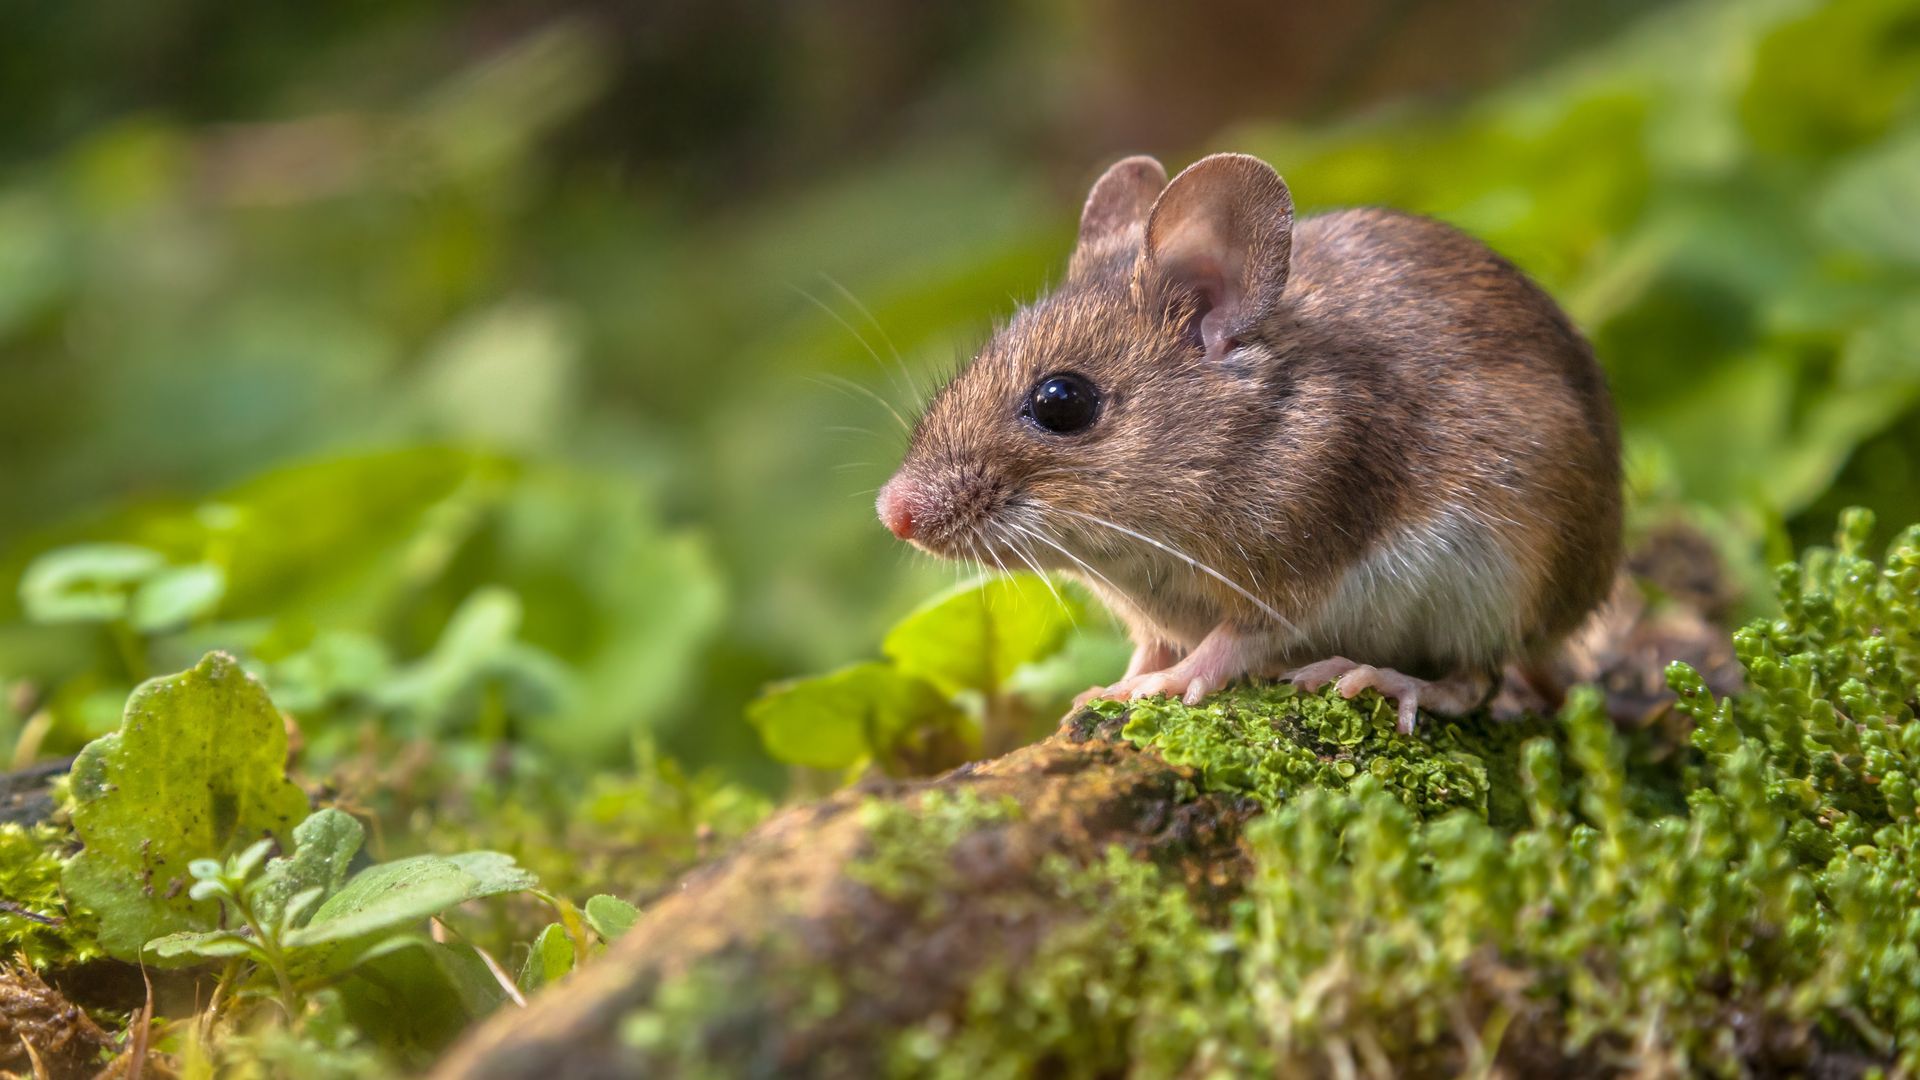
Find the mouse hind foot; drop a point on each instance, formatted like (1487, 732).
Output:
(1451, 696)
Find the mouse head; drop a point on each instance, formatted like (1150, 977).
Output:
(1120, 395)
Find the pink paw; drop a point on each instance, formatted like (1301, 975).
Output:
(1314, 676)
(1350, 678)
(1190, 688)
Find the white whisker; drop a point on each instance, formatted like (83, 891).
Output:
(1039, 534)
(841, 382)
(913, 384)
(1189, 560)
(1027, 557)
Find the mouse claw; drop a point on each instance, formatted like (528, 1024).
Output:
(1172, 683)
(1402, 690)
(1316, 675)
(1450, 696)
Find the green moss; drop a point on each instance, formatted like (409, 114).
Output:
(910, 844)
(1138, 981)
(1274, 742)
(35, 919)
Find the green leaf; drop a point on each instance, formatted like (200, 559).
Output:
(198, 945)
(552, 957)
(416, 998)
(835, 720)
(324, 845)
(610, 916)
(86, 582)
(396, 895)
(197, 770)
(176, 596)
(479, 660)
(975, 636)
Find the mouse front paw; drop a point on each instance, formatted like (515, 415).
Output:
(1215, 662)
(1189, 686)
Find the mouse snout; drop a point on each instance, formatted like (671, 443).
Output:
(896, 504)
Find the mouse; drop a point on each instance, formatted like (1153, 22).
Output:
(1359, 447)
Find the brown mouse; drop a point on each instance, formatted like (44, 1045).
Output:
(1360, 446)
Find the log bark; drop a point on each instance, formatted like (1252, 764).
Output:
(784, 904)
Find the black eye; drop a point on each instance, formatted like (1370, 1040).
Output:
(1063, 404)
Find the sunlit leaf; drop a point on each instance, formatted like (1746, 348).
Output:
(397, 894)
(197, 770)
(976, 636)
(175, 596)
(835, 720)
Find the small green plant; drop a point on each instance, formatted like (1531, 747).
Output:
(948, 688)
(133, 591)
(301, 923)
(562, 946)
(197, 770)
(233, 884)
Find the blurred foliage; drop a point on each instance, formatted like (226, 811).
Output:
(499, 387)
(612, 382)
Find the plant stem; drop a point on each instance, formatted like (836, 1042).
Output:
(133, 651)
(290, 1000)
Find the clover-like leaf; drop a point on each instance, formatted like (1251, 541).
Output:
(975, 636)
(552, 957)
(86, 582)
(175, 596)
(843, 717)
(197, 769)
(610, 916)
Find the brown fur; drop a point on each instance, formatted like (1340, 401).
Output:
(1392, 372)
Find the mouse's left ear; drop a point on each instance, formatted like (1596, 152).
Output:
(1116, 207)
(1221, 237)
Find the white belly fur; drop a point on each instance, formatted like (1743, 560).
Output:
(1443, 592)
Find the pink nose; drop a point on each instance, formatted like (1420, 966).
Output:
(896, 507)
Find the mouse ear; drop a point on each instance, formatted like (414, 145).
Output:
(1222, 235)
(1117, 204)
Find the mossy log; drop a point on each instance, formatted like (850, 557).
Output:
(842, 935)
(790, 904)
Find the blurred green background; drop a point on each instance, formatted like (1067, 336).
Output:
(513, 366)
